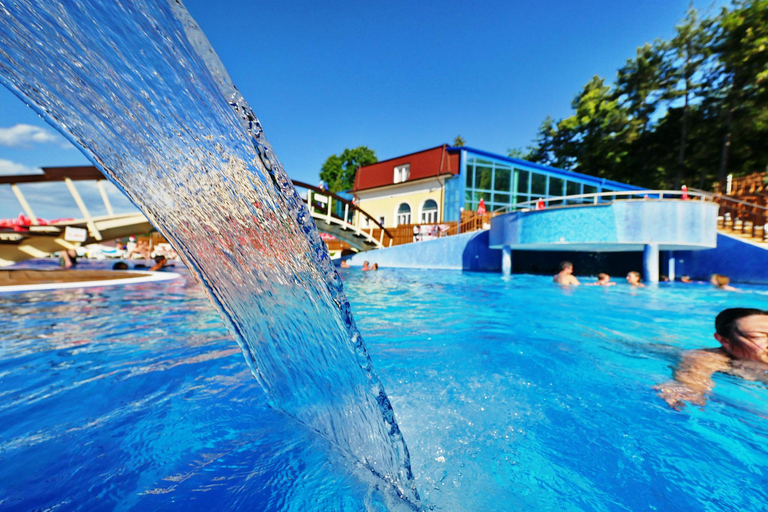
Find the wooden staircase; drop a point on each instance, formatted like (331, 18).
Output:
(744, 212)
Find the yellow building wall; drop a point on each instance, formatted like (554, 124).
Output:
(387, 206)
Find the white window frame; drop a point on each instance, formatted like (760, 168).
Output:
(398, 214)
(402, 173)
(435, 212)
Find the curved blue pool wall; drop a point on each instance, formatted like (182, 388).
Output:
(647, 225)
(469, 251)
(741, 260)
(620, 226)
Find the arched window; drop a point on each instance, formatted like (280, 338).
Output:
(429, 212)
(403, 214)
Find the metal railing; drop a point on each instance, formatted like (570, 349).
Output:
(345, 214)
(351, 218)
(68, 175)
(738, 216)
(605, 198)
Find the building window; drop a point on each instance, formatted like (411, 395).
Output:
(402, 173)
(502, 181)
(381, 220)
(429, 212)
(403, 214)
(572, 188)
(539, 184)
(483, 177)
(556, 186)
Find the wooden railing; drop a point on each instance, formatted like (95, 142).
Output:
(742, 217)
(751, 185)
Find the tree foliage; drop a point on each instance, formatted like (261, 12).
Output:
(688, 110)
(339, 171)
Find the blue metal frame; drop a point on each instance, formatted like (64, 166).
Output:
(456, 187)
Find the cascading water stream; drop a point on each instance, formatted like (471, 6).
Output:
(140, 90)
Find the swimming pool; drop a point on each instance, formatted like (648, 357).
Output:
(512, 394)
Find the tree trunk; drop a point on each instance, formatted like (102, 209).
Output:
(683, 141)
(721, 173)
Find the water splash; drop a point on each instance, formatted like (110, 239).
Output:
(140, 90)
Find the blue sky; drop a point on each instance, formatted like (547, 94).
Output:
(395, 76)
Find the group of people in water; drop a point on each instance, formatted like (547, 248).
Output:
(160, 263)
(565, 277)
(366, 265)
(741, 332)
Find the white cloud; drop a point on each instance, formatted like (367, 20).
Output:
(25, 134)
(12, 168)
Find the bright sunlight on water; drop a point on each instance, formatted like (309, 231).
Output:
(514, 394)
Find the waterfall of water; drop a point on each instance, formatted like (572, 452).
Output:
(139, 89)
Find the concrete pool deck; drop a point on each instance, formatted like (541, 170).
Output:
(20, 280)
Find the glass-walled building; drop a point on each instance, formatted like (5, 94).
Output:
(503, 182)
(434, 185)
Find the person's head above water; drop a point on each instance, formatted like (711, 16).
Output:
(566, 266)
(720, 280)
(743, 333)
(633, 278)
(603, 277)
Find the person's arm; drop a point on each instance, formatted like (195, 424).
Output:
(158, 266)
(67, 260)
(693, 378)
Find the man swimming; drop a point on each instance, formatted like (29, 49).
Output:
(743, 352)
(565, 276)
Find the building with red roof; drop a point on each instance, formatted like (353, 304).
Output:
(433, 185)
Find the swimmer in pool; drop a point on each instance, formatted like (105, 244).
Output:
(603, 279)
(721, 282)
(565, 276)
(743, 352)
(160, 263)
(633, 278)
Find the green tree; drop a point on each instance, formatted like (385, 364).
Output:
(459, 141)
(339, 170)
(688, 110)
(640, 86)
(685, 66)
(740, 46)
(542, 149)
(589, 140)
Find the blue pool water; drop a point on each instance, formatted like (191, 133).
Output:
(512, 394)
(136, 86)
